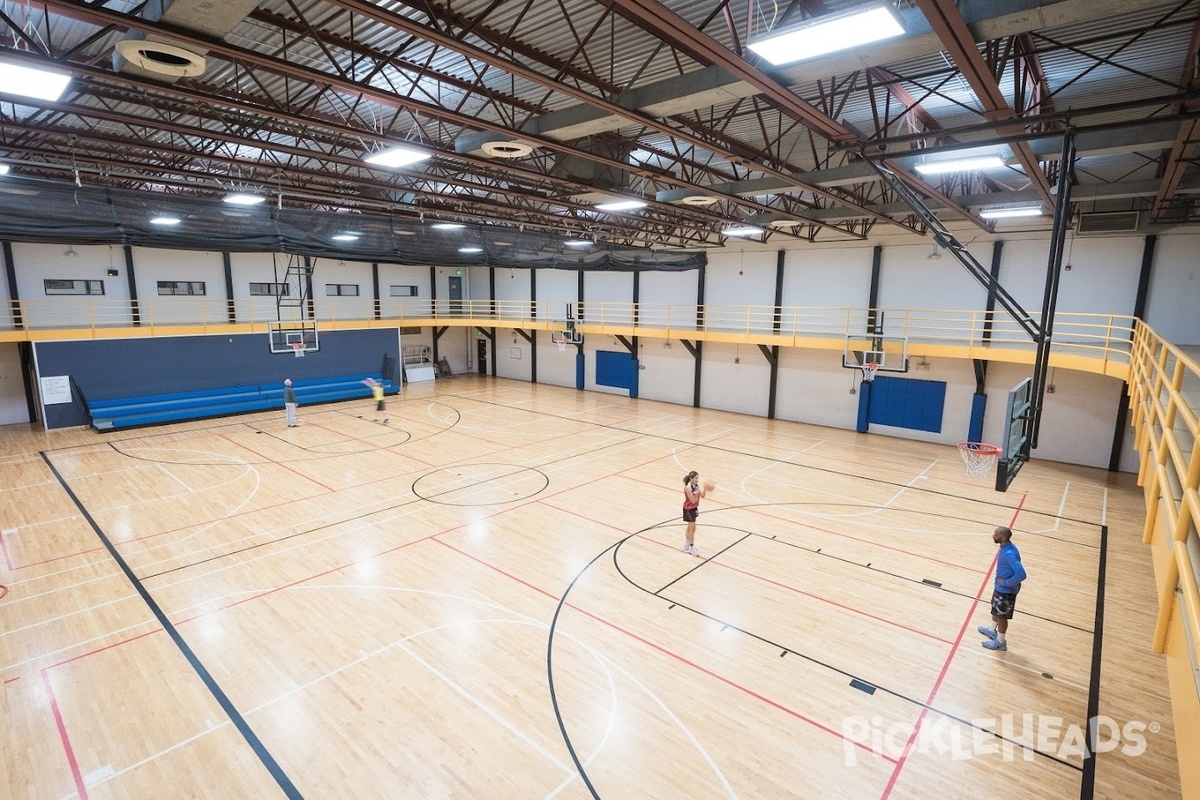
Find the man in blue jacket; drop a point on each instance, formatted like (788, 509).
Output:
(1009, 575)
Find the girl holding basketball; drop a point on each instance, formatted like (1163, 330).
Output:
(692, 492)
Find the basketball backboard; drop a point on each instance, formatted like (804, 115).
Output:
(889, 352)
(1017, 421)
(285, 335)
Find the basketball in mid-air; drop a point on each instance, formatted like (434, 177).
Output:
(709, 486)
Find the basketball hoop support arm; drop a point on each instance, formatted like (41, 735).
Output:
(949, 242)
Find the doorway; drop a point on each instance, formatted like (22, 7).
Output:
(481, 355)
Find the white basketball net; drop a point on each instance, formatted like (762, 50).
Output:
(979, 458)
(869, 369)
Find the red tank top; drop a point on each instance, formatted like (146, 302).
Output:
(688, 503)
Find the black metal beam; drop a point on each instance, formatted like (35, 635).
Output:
(1058, 239)
(14, 294)
(230, 302)
(1139, 310)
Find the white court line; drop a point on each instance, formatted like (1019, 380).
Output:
(1104, 508)
(1058, 517)
(176, 477)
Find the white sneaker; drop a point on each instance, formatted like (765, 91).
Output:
(691, 549)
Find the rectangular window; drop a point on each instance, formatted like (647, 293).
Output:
(404, 291)
(269, 290)
(341, 290)
(73, 287)
(181, 287)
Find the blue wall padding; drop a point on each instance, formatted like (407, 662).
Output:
(864, 405)
(634, 370)
(615, 368)
(906, 403)
(579, 364)
(106, 369)
(975, 429)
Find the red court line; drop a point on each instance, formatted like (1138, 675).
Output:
(835, 603)
(946, 666)
(66, 740)
(10, 680)
(270, 460)
(106, 647)
(676, 656)
(4, 547)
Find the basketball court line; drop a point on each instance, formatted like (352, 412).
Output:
(652, 645)
(712, 560)
(72, 763)
(818, 662)
(946, 665)
(412, 503)
(256, 745)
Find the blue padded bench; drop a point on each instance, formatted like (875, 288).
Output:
(132, 412)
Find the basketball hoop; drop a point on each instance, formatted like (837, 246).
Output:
(562, 345)
(979, 458)
(869, 369)
(298, 347)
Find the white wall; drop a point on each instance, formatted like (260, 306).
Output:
(13, 407)
(1175, 289)
(35, 263)
(151, 265)
(668, 373)
(734, 378)
(353, 273)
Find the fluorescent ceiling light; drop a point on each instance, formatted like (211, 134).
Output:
(244, 199)
(346, 237)
(829, 34)
(1012, 211)
(448, 226)
(470, 249)
(32, 82)
(165, 219)
(621, 205)
(3, 169)
(960, 165)
(397, 157)
(746, 231)
(577, 243)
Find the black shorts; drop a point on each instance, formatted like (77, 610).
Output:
(690, 514)
(1003, 605)
(379, 406)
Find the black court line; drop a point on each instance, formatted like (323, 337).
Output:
(703, 561)
(1087, 788)
(760, 457)
(922, 582)
(235, 716)
(824, 664)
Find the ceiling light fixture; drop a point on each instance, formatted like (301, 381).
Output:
(968, 164)
(577, 243)
(743, 231)
(1011, 211)
(3, 169)
(621, 205)
(470, 249)
(244, 199)
(829, 34)
(32, 82)
(347, 237)
(165, 219)
(397, 157)
(447, 226)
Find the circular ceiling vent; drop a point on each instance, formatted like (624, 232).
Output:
(506, 149)
(697, 200)
(162, 58)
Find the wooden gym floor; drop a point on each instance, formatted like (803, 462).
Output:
(487, 597)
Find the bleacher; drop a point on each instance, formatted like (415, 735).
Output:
(132, 412)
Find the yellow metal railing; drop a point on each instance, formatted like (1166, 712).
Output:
(1164, 387)
(1091, 342)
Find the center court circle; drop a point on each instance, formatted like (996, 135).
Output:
(480, 484)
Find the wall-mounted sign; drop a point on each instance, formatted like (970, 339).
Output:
(56, 389)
